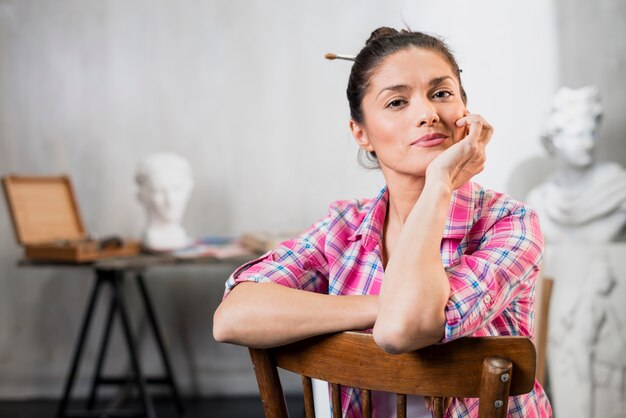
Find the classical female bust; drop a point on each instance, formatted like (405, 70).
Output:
(165, 183)
(583, 201)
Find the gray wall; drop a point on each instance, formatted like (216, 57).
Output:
(241, 90)
(591, 50)
(592, 36)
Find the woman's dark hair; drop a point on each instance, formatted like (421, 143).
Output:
(383, 42)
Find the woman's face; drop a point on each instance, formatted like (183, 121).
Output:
(410, 109)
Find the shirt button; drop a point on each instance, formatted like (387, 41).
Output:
(487, 299)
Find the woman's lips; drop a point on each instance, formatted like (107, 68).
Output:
(430, 140)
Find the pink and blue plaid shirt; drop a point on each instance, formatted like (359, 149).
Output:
(491, 249)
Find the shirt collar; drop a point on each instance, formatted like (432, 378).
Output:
(458, 221)
(371, 228)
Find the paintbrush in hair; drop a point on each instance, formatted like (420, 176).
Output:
(331, 56)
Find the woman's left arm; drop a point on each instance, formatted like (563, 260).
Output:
(415, 289)
(498, 275)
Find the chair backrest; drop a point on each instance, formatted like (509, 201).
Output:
(544, 294)
(489, 368)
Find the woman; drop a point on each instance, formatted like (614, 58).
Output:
(433, 258)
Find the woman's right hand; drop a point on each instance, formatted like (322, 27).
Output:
(466, 158)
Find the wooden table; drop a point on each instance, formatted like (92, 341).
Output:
(112, 272)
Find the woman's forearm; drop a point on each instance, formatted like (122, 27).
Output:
(415, 288)
(266, 314)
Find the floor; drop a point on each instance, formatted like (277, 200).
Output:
(231, 407)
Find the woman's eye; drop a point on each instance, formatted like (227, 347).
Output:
(442, 94)
(396, 103)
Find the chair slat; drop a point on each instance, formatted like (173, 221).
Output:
(307, 388)
(438, 407)
(335, 392)
(401, 405)
(366, 403)
(496, 381)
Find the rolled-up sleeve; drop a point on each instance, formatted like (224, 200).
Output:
(487, 281)
(297, 263)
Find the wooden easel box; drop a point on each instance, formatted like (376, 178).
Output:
(48, 224)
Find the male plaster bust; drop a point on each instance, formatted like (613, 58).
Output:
(165, 183)
(584, 201)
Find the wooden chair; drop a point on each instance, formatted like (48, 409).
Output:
(489, 368)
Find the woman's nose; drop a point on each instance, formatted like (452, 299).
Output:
(427, 115)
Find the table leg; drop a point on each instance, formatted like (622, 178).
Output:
(159, 339)
(78, 350)
(104, 344)
(134, 358)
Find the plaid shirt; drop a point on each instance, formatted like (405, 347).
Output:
(491, 249)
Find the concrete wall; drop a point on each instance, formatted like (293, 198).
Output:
(241, 89)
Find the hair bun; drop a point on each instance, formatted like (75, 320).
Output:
(383, 32)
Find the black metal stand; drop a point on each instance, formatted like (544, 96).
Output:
(114, 278)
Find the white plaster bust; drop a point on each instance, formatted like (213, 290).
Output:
(583, 201)
(165, 184)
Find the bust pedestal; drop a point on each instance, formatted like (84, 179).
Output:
(587, 330)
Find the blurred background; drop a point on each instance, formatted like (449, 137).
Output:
(241, 90)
